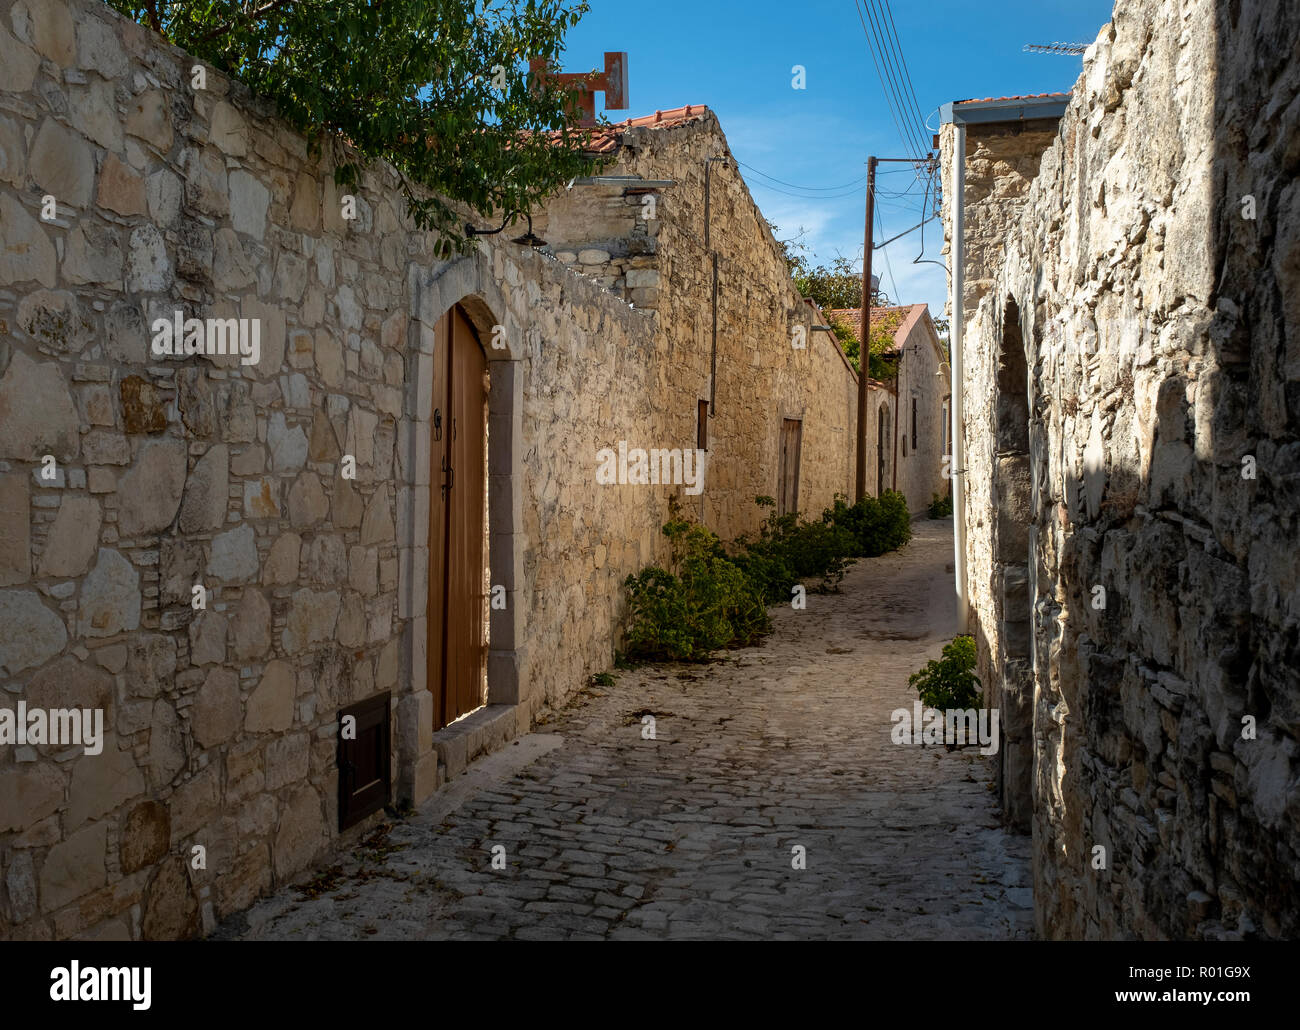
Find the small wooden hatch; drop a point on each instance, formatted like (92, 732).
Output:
(365, 775)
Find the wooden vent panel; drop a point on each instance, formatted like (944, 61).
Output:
(365, 775)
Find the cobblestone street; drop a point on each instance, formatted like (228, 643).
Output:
(607, 835)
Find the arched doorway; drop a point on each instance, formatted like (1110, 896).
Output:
(883, 451)
(1012, 686)
(458, 588)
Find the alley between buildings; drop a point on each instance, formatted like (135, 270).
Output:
(692, 834)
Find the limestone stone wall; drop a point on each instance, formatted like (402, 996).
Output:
(168, 473)
(923, 383)
(1002, 161)
(762, 377)
(1148, 291)
(171, 473)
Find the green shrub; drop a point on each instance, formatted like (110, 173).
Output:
(941, 507)
(787, 550)
(703, 603)
(950, 681)
(708, 599)
(876, 525)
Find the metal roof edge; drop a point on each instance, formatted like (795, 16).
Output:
(1016, 110)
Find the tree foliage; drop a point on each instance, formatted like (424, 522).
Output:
(438, 88)
(883, 327)
(837, 285)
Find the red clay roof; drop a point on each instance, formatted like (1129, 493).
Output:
(852, 317)
(1023, 96)
(606, 139)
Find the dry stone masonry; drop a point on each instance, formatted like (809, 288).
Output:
(182, 545)
(1132, 382)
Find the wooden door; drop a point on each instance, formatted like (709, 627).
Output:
(882, 448)
(457, 646)
(788, 472)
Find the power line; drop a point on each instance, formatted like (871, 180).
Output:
(856, 182)
(895, 78)
(880, 74)
(888, 267)
(902, 62)
(803, 196)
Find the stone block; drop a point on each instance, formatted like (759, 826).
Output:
(145, 836)
(234, 555)
(270, 706)
(15, 530)
(150, 491)
(110, 597)
(121, 189)
(28, 793)
(203, 506)
(62, 163)
(216, 713)
(301, 832)
(36, 409)
(26, 253)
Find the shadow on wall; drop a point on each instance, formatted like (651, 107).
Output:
(1166, 583)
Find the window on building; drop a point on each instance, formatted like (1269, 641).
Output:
(913, 423)
(702, 426)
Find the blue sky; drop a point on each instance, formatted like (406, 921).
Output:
(735, 56)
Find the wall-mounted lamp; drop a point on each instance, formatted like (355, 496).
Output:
(528, 239)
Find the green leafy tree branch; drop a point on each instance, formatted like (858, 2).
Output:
(437, 88)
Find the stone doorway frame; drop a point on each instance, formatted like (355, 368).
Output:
(1011, 532)
(425, 758)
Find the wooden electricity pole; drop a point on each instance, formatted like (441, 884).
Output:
(864, 334)
(864, 344)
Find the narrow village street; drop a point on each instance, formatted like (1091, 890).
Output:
(690, 835)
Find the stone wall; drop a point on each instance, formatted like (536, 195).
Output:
(1149, 315)
(1002, 161)
(923, 383)
(221, 724)
(762, 377)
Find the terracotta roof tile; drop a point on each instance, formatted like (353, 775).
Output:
(852, 317)
(605, 139)
(1023, 96)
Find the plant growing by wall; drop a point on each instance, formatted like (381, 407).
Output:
(708, 599)
(701, 603)
(788, 549)
(438, 88)
(877, 525)
(941, 507)
(949, 681)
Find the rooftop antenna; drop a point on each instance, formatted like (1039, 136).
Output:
(1071, 49)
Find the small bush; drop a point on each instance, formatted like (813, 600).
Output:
(950, 681)
(877, 525)
(708, 599)
(941, 507)
(703, 603)
(787, 550)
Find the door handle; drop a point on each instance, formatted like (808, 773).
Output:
(451, 477)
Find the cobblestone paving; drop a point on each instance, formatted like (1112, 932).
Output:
(690, 835)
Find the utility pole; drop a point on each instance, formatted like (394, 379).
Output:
(864, 334)
(860, 486)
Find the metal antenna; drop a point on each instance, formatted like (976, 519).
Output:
(1072, 49)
